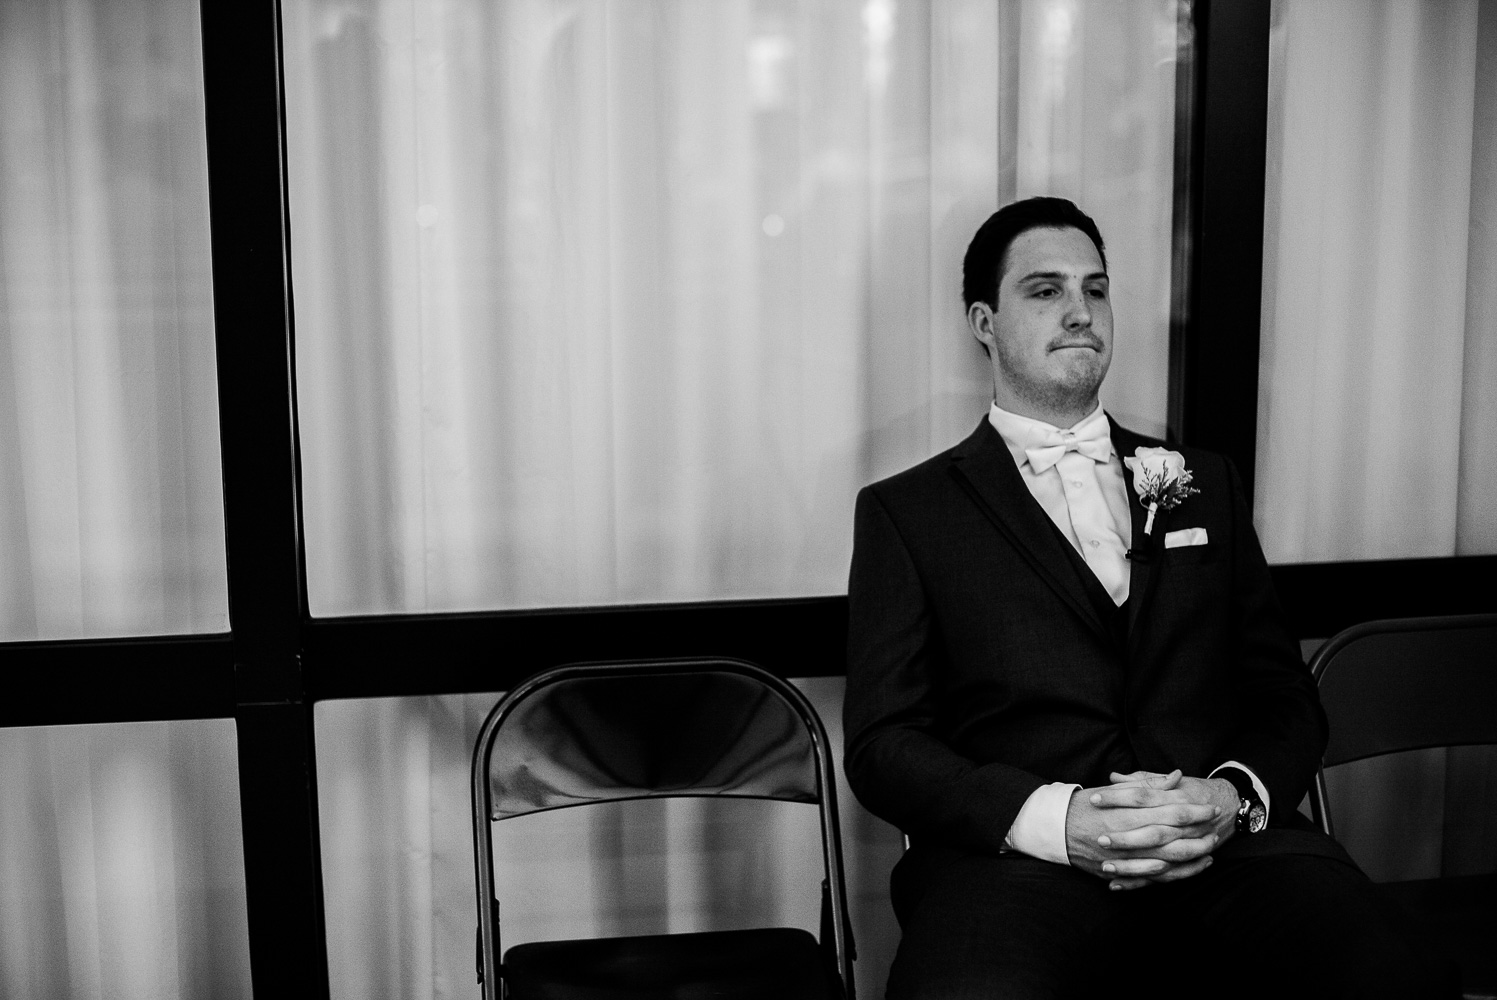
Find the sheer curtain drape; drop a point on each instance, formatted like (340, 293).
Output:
(1377, 427)
(111, 506)
(122, 863)
(623, 301)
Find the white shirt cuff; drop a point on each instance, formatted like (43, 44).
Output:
(1257, 785)
(1040, 828)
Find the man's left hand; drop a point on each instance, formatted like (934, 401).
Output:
(1147, 789)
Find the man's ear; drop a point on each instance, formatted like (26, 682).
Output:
(983, 326)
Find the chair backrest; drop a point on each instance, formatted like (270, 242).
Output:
(592, 737)
(1406, 684)
(600, 732)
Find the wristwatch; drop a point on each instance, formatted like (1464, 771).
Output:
(1252, 815)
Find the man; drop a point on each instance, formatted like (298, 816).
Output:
(1087, 713)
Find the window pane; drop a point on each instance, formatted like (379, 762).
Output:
(122, 862)
(1377, 409)
(622, 301)
(111, 510)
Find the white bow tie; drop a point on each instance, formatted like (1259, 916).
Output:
(1091, 439)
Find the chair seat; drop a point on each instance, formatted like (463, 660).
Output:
(780, 963)
(1462, 916)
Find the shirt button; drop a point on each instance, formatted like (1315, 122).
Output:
(1094, 543)
(1076, 483)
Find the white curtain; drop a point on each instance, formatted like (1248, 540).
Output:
(622, 301)
(122, 863)
(1377, 421)
(111, 505)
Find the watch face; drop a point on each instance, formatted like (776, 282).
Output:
(1257, 818)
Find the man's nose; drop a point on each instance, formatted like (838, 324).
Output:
(1078, 311)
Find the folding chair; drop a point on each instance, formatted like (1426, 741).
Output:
(1411, 684)
(593, 733)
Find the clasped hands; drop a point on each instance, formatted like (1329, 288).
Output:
(1146, 827)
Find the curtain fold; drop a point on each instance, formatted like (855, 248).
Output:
(111, 504)
(122, 862)
(1377, 418)
(1476, 496)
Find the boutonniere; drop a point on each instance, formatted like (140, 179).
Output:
(1161, 480)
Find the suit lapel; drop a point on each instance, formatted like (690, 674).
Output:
(1147, 549)
(983, 466)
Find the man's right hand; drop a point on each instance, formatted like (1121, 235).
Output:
(1171, 841)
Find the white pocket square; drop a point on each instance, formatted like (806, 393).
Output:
(1183, 537)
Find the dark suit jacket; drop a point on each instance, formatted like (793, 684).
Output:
(984, 658)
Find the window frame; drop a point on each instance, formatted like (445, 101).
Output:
(277, 661)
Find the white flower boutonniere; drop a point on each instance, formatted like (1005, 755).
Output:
(1161, 480)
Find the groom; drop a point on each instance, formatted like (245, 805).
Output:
(1071, 685)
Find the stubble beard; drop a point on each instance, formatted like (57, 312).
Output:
(1075, 390)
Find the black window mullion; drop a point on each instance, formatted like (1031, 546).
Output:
(403, 655)
(1214, 334)
(153, 678)
(252, 307)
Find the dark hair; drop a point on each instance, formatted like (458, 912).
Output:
(984, 260)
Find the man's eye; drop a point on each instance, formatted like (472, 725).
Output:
(1097, 293)
(1047, 292)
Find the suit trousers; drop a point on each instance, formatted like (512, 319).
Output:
(1279, 924)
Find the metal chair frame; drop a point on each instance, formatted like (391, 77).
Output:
(831, 841)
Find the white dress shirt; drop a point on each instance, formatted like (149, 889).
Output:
(1087, 498)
